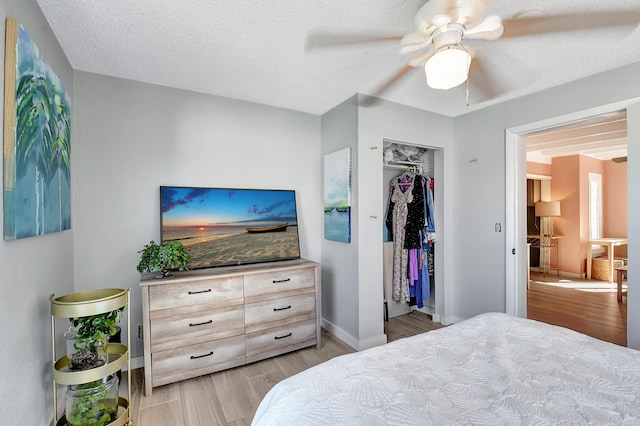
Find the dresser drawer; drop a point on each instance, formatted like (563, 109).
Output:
(195, 360)
(275, 312)
(271, 283)
(274, 341)
(188, 329)
(211, 291)
(202, 321)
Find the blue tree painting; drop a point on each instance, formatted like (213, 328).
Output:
(37, 194)
(337, 196)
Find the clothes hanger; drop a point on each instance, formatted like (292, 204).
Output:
(406, 178)
(410, 173)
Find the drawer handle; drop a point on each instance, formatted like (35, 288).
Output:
(195, 324)
(281, 309)
(281, 281)
(201, 356)
(201, 291)
(282, 337)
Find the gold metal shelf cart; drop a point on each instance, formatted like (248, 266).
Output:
(85, 304)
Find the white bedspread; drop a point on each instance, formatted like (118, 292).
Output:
(493, 369)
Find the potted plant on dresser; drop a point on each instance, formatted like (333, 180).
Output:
(166, 257)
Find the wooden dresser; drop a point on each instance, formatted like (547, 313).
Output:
(207, 320)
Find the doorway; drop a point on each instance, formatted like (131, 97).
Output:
(515, 196)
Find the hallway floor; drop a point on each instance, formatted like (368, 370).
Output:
(588, 306)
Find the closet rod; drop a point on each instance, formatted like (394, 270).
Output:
(403, 163)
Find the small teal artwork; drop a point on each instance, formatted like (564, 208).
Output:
(37, 189)
(337, 196)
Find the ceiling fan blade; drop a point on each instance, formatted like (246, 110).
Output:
(430, 9)
(480, 79)
(414, 47)
(534, 25)
(411, 38)
(378, 91)
(321, 40)
(421, 58)
(619, 159)
(489, 29)
(470, 12)
(413, 42)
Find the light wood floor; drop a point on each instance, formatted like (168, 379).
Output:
(588, 306)
(231, 397)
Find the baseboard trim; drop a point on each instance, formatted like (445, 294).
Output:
(451, 319)
(373, 342)
(358, 345)
(137, 362)
(340, 333)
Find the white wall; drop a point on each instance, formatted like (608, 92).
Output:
(340, 260)
(31, 269)
(388, 120)
(479, 185)
(633, 179)
(131, 137)
(352, 273)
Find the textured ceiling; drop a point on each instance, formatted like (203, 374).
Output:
(603, 137)
(268, 51)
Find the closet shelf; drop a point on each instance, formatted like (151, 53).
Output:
(402, 164)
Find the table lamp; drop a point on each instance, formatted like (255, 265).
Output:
(548, 210)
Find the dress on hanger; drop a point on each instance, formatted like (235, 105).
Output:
(401, 201)
(415, 213)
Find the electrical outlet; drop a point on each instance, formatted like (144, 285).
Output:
(140, 332)
(498, 227)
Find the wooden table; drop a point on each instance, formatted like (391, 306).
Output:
(622, 274)
(610, 243)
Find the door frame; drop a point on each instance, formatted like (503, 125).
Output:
(515, 199)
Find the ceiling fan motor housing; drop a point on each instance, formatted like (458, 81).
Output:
(447, 35)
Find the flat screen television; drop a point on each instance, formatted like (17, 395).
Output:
(230, 226)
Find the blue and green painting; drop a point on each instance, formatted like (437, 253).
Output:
(337, 196)
(37, 194)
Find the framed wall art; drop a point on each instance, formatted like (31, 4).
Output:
(37, 128)
(337, 196)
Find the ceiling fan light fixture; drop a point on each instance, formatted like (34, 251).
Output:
(448, 68)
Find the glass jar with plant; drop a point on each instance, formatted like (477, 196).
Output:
(166, 257)
(87, 339)
(92, 404)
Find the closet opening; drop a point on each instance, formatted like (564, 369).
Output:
(411, 196)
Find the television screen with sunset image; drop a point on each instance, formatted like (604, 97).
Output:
(228, 226)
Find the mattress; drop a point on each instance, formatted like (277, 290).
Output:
(493, 369)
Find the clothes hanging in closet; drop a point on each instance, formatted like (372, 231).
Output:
(411, 225)
(400, 201)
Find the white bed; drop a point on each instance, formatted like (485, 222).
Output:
(492, 369)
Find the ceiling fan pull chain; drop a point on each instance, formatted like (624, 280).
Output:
(467, 92)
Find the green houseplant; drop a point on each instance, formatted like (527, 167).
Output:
(93, 404)
(87, 339)
(165, 258)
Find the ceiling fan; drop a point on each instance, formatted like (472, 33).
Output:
(441, 26)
